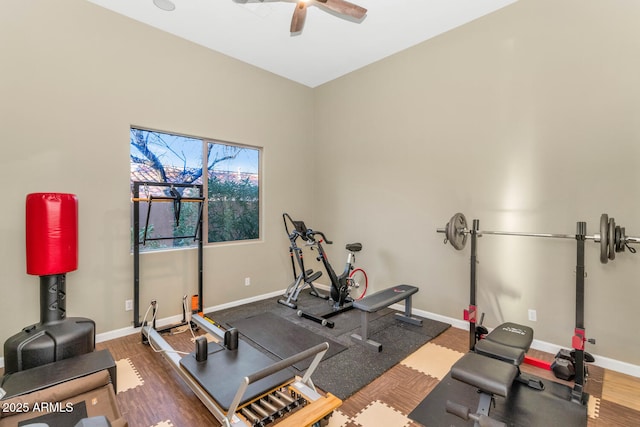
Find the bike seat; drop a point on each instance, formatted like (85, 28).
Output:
(354, 247)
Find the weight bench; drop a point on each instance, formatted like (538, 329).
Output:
(491, 377)
(379, 300)
(509, 343)
(492, 368)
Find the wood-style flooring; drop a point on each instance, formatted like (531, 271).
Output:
(162, 399)
(152, 394)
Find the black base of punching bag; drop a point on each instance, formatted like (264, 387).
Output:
(41, 344)
(56, 337)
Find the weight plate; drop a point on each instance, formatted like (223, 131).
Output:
(604, 238)
(622, 242)
(620, 239)
(451, 230)
(456, 231)
(612, 238)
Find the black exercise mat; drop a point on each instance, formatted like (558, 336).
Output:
(352, 369)
(345, 321)
(349, 371)
(525, 407)
(284, 338)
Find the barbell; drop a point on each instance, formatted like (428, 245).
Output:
(612, 237)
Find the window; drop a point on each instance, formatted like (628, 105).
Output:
(228, 173)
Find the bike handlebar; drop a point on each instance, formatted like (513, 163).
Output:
(300, 230)
(313, 233)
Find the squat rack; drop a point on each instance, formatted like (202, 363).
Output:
(612, 239)
(176, 198)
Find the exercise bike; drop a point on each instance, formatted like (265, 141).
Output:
(351, 280)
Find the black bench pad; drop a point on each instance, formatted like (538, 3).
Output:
(384, 298)
(512, 355)
(512, 335)
(508, 342)
(488, 375)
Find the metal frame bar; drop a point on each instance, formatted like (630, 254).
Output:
(363, 336)
(474, 284)
(595, 237)
(136, 242)
(408, 311)
(577, 395)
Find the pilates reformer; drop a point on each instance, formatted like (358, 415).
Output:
(241, 386)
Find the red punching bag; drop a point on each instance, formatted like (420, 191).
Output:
(52, 251)
(52, 233)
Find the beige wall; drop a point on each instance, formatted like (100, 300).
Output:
(73, 78)
(527, 119)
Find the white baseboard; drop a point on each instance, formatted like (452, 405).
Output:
(118, 333)
(601, 361)
(604, 362)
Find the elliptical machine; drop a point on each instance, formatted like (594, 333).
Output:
(341, 286)
(306, 277)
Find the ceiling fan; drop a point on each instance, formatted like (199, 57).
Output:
(341, 7)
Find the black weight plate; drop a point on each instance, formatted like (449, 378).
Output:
(604, 238)
(612, 238)
(620, 239)
(451, 229)
(456, 228)
(617, 244)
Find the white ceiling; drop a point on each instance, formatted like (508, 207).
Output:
(257, 32)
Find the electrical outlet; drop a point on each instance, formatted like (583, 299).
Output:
(128, 305)
(533, 316)
(247, 281)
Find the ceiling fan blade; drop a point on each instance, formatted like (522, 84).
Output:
(299, 15)
(344, 7)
